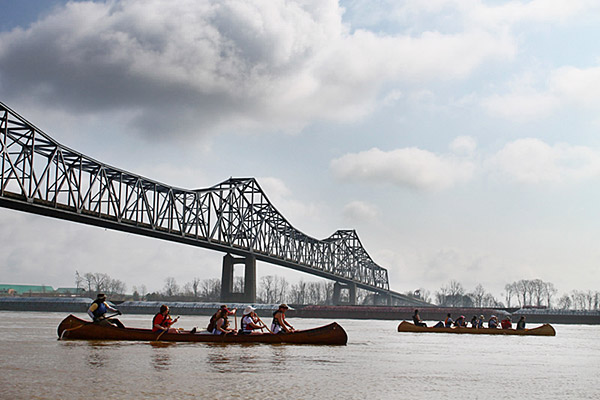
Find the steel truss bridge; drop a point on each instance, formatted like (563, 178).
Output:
(41, 176)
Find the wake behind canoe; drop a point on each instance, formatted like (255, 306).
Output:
(75, 328)
(543, 330)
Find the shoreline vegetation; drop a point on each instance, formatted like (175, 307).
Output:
(533, 293)
(433, 313)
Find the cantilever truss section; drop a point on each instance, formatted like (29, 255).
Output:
(42, 176)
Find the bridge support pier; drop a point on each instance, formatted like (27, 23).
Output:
(337, 294)
(383, 299)
(249, 293)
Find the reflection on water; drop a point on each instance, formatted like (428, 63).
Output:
(97, 359)
(244, 358)
(279, 358)
(161, 357)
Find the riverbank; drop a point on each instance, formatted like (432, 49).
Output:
(80, 305)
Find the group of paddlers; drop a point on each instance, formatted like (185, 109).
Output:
(250, 322)
(476, 322)
(219, 323)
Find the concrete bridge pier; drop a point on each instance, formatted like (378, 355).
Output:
(249, 293)
(383, 299)
(337, 294)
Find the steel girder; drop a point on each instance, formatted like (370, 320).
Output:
(42, 176)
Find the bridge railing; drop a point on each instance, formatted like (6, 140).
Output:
(236, 215)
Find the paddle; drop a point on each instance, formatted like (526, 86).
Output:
(166, 330)
(264, 325)
(110, 316)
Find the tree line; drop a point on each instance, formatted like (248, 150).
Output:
(273, 289)
(518, 294)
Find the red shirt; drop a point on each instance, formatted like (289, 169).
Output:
(161, 320)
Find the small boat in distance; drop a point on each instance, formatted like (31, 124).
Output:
(75, 328)
(544, 330)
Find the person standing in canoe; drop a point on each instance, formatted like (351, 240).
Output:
(98, 308)
(162, 321)
(250, 321)
(521, 323)
(279, 323)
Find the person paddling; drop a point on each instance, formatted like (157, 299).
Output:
(521, 323)
(417, 319)
(279, 323)
(250, 321)
(162, 321)
(216, 316)
(448, 321)
(506, 323)
(222, 324)
(99, 308)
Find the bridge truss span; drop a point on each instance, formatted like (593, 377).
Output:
(41, 176)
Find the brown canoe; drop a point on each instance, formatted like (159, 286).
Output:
(544, 330)
(76, 328)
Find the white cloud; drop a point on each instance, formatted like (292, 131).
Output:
(306, 216)
(360, 211)
(530, 98)
(534, 161)
(193, 67)
(528, 160)
(577, 85)
(521, 106)
(412, 167)
(463, 145)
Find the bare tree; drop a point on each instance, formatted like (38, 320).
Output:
(195, 286)
(115, 286)
(298, 293)
(478, 295)
(549, 291)
(78, 281)
(238, 284)
(511, 290)
(273, 289)
(210, 289)
(453, 296)
(171, 288)
(538, 291)
(565, 302)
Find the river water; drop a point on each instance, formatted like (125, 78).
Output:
(377, 363)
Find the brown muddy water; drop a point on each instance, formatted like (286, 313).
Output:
(377, 363)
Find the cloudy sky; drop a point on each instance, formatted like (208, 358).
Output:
(460, 138)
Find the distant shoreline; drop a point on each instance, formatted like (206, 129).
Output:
(80, 305)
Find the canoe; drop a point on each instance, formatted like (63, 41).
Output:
(544, 330)
(76, 328)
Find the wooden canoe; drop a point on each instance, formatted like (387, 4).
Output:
(76, 328)
(544, 330)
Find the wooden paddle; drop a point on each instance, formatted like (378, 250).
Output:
(110, 316)
(264, 325)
